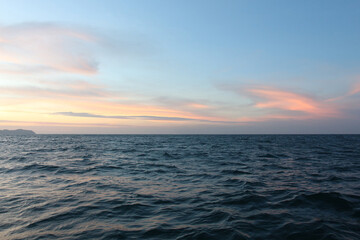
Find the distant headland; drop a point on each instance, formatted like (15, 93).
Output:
(17, 132)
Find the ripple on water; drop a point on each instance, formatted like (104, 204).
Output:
(180, 187)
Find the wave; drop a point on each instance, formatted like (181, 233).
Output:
(180, 187)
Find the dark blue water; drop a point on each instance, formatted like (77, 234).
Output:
(180, 187)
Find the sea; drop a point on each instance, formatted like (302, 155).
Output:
(180, 187)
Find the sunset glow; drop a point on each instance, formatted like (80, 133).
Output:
(127, 70)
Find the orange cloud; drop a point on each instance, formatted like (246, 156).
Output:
(101, 105)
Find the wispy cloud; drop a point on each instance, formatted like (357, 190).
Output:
(272, 98)
(33, 47)
(151, 118)
(45, 123)
(183, 102)
(88, 100)
(53, 90)
(276, 103)
(355, 89)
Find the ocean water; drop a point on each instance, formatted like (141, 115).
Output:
(180, 187)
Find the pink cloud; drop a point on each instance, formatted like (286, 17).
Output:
(355, 89)
(271, 98)
(47, 46)
(198, 105)
(284, 104)
(65, 91)
(98, 101)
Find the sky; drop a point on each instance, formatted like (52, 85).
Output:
(180, 66)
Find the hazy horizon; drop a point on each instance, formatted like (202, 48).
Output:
(180, 67)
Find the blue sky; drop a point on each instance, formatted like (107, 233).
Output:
(180, 66)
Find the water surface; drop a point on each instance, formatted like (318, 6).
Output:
(180, 187)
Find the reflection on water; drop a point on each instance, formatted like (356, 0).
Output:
(179, 187)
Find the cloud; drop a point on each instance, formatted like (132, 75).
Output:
(198, 106)
(184, 103)
(355, 89)
(44, 123)
(85, 98)
(36, 47)
(151, 118)
(82, 96)
(64, 89)
(285, 100)
(276, 103)
(195, 106)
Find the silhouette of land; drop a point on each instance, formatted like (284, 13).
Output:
(17, 132)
